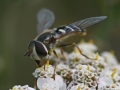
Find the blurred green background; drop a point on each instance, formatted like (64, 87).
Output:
(18, 28)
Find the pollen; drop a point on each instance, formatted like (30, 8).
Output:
(47, 63)
(75, 50)
(97, 56)
(113, 72)
(112, 52)
(91, 41)
(79, 88)
(115, 69)
(82, 41)
(80, 67)
(88, 68)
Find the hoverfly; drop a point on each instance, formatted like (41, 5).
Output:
(48, 39)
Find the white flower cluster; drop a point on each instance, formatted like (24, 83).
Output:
(44, 71)
(19, 87)
(65, 72)
(98, 72)
(85, 74)
(47, 79)
(77, 72)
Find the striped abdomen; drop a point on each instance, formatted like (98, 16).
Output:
(65, 30)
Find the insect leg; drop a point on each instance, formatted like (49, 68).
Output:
(64, 45)
(62, 52)
(55, 53)
(46, 61)
(55, 64)
(55, 69)
(82, 53)
(78, 49)
(38, 63)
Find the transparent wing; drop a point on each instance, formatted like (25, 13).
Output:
(82, 24)
(78, 26)
(45, 19)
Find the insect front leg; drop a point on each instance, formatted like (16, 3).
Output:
(38, 63)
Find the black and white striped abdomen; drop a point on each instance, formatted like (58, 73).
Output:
(65, 30)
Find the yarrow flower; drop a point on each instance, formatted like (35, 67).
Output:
(106, 83)
(44, 71)
(110, 58)
(79, 87)
(19, 87)
(87, 47)
(76, 72)
(47, 79)
(86, 74)
(65, 72)
(51, 84)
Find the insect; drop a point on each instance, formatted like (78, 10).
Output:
(48, 39)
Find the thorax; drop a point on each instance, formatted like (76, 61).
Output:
(47, 38)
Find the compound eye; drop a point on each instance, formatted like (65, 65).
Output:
(41, 49)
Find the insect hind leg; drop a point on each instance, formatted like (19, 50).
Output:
(62, 52)
(78, 50)
(82, 53)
